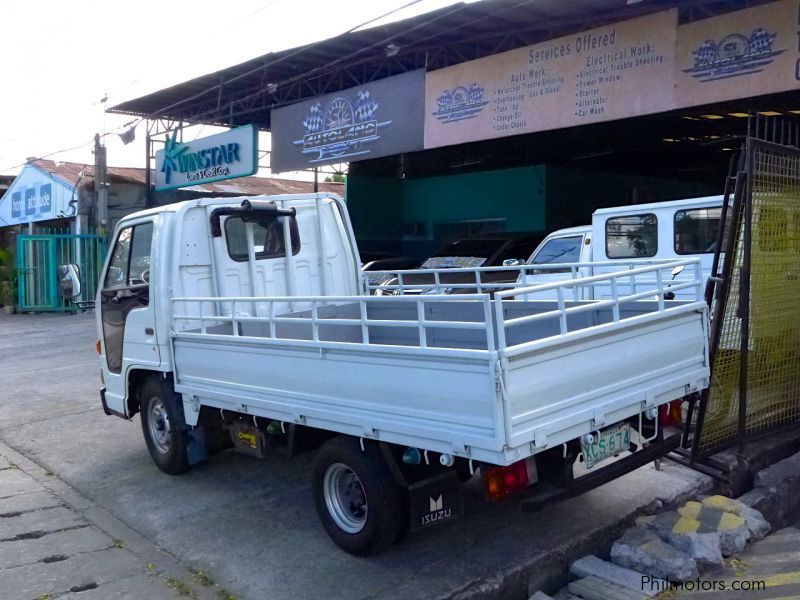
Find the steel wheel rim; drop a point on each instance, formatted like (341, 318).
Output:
(158, 424)
(345, 498)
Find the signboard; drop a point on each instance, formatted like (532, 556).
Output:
(381, 118)
(225, 155)
(611, 72)
(36, 195)
(745, 53)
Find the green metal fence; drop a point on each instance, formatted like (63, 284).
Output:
(38, 258)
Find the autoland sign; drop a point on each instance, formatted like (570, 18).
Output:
(381, 118)
(225, 155)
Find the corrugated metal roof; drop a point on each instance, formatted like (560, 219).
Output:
(73, 173)
(433, 40)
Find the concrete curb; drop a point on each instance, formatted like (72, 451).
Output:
(776, 494)
(551, 572)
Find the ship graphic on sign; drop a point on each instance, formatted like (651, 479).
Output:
(462, 102)
(734, 55)
(342, 129)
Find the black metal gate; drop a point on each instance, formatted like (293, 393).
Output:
(755, 297)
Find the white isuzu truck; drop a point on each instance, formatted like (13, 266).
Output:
(247, 322)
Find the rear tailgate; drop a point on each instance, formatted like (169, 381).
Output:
(564, 387)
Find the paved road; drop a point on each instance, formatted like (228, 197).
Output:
(251, 524)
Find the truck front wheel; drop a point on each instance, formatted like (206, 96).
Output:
(164, 426)
(357, 500)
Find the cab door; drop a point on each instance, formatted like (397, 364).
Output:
(127, 313)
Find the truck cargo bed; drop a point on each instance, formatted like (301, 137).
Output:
(478, 377)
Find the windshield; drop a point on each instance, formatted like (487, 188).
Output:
(559, 250)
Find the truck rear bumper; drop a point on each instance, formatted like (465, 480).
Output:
(541, 496)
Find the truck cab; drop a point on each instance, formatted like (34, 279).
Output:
(204, 248)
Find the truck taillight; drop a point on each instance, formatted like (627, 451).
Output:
(500, 482)
(670, 413)
(99, 347)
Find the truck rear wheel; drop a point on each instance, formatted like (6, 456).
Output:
(164, 426)
(357, 500)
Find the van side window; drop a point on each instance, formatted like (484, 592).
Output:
(696, 230)
(634, 236)
(267, 238)
(559, 250)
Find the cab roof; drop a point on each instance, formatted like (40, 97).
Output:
(639, 208)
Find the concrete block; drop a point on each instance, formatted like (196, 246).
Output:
(15, 481)
(39, 521)
(756, 523)
(733, 530)
(592, 565)
(79, 571)
(689, 536)
(783, 472)
(63, 543)
(594, 588)
(152, 587)
(777, 492)
(27, 503)
(644, 551)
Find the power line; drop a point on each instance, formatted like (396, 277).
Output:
(78, 147)
(277, 61)
(91, 141)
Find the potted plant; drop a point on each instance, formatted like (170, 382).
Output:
(8, 282)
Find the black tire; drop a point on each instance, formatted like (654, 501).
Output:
(374, 493)
(166, 440)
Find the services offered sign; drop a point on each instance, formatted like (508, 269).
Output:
(611, 72)
(225, 155)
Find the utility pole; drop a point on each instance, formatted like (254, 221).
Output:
(101, 185)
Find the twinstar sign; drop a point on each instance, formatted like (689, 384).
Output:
(225, 155)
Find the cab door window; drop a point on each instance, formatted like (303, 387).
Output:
(130, 260)
(125, 287)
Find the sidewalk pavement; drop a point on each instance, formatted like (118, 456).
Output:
(767, 569)
(56, 544)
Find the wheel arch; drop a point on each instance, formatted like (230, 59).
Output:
(135, 379)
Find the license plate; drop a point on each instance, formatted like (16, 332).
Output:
(610, 442)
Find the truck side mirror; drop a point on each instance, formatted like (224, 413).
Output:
(69, 280)
(678, 270)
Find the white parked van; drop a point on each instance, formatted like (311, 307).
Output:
(630, 234)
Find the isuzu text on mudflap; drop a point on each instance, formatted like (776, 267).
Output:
(247, 322)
